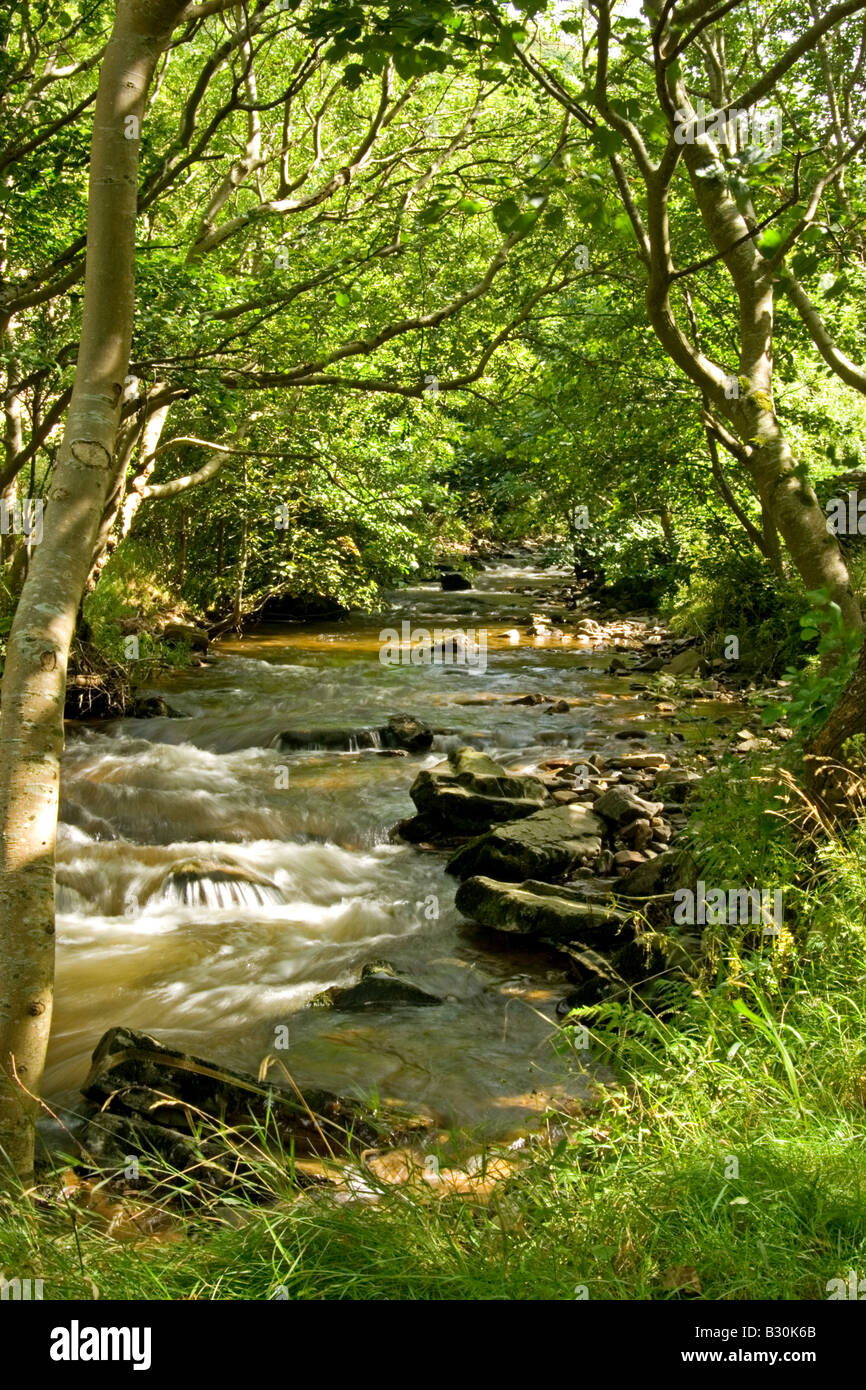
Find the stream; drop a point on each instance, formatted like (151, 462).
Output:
(227, 972)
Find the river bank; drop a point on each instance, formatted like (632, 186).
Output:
(482, 1146)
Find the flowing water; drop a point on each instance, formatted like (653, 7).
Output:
(211, 883)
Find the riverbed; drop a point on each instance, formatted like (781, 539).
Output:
(231, 975)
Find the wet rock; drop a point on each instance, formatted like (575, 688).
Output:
(596, 978)
(151, 707)
(551, 914)
(619, 805)
(544, 845)
(401, 731)
(380, 990)
(457, 649)
(641, 958)
(203, 883)
(684, 663)
(452, 581)
(347, 740)
(663, 875)
(404, 731)
(470, 792)
(559, 707)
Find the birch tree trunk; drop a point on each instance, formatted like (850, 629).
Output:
(34, 681)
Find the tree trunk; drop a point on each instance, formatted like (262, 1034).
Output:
(837, 788)
(34, 681)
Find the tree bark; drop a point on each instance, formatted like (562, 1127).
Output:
(838, 789)
(34, 681)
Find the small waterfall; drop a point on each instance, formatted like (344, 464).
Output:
(220, 889)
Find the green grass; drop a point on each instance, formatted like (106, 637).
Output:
(731, 1143)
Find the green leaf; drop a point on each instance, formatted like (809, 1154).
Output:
(506, 213)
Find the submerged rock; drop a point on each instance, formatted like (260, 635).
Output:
(348, 740)
(676, 782)
(545, 844)
(379, 990)
(402, 731)
(198, 883)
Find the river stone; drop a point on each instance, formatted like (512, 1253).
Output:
(333, 737)
(378, 990)
(470, 792)
(401, 731)
(619, 805)
(684, 663)
(595, 976)
(404, 731)
(452, 581)
(187, 882)
(544, 845)
(677, 782)
(665, 874)
(640, 761)
(551, 914)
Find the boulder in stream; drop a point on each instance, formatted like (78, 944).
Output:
(468, 793)
(405, 731)
(204, 883)
(378, 989)
(453, 580)
(550, 914)
(544, 845)
(663, 875)
(402, 731)
(619, 805)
